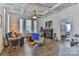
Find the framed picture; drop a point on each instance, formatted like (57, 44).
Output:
(51, 23)
(46, 24)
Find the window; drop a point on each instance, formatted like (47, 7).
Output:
(35, 26)
(68, 27)
(21, 25)
(29, 25)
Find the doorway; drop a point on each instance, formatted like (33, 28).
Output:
(65, 29)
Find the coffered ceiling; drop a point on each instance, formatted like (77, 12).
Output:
(26, 9)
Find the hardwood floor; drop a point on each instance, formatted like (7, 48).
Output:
(49, 48)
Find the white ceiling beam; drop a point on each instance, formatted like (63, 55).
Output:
(24, 9)
(41, 5)
(37, 4)
(52, 8)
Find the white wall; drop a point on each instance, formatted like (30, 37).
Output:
(1, 40)
(71, 13)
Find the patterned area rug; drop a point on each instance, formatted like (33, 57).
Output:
(49, 48)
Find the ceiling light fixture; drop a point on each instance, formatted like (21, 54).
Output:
(34, 15)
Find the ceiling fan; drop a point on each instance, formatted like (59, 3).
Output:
(35, 16)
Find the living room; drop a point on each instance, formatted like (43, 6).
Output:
(39, 29)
